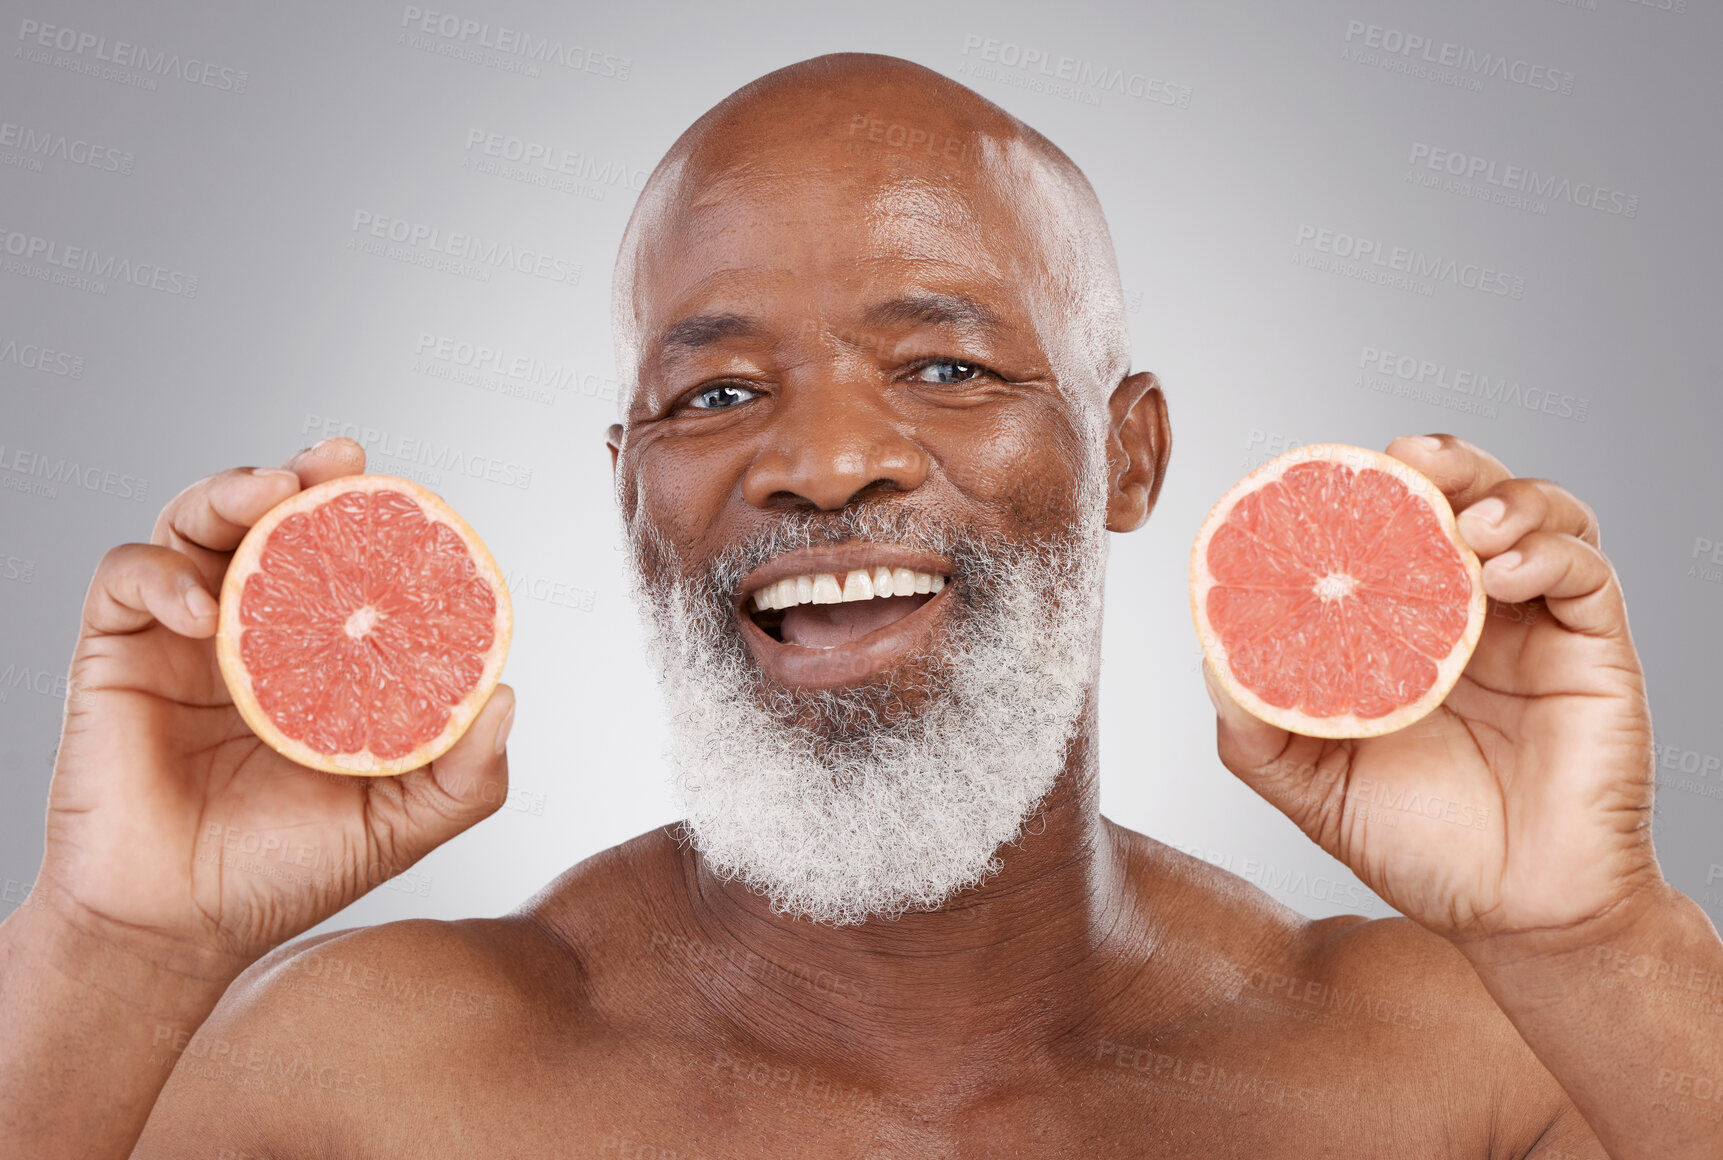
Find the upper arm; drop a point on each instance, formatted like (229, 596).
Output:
(1493, 1096)
(333, 1043)
(272, 1062)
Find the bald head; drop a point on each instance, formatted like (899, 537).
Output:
(886, 160)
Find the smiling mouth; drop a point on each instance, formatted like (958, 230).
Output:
(826, 610)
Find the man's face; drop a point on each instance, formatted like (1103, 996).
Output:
(820, 337)
(854, 368)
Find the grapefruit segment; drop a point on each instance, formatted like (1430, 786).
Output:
(363, 626)
(1333, 594)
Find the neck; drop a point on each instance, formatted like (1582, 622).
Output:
(1024, 954)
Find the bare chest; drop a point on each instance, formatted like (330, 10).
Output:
(1113, 1099)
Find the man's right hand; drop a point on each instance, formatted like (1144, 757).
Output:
(171, 827)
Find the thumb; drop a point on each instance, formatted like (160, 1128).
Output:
(464, 786)
(1297, 775)
(1246, 742)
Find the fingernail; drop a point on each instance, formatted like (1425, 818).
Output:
(311, 450)
(272, 472)
(508, 724)
(1487, 511)
(1428, 442)
(1507, 561)
(199, 603)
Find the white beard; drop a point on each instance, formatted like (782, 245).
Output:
(841, 805)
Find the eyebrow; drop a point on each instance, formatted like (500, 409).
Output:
(702, 330)
(705, 329)
(939, 309)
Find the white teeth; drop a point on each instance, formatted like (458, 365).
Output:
(857, 584)
(826, 590)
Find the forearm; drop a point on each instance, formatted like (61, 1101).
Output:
(88, 1031)
(1630, 1023)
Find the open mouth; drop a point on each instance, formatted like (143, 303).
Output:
(823, 610)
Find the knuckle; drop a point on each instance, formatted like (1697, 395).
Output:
(119, 558)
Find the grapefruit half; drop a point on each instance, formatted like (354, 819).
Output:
(363, 626)
(1333, 594)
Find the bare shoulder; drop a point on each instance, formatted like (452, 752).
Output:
(1381, 1012)
(370, 1031)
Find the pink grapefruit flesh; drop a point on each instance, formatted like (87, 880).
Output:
(363, 626)
(1333, 594)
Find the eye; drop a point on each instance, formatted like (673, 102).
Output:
(721, 396)
(947, 371)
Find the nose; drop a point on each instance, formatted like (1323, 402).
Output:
(830, 441)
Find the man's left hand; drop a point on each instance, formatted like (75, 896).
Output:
(1522, 805)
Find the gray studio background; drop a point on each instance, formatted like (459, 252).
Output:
(197, 271)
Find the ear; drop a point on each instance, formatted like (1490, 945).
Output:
(613, 440)
(1139, 442)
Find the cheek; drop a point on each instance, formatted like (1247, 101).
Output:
(1024, 468)
(680, 490)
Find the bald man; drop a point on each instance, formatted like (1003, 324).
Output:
(881, 419)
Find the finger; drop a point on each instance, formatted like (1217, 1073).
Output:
(208, 519)
(137, 585)
(1293, 774)
(330, 459)
(1574, 578)
(469, 783)
(1245, 742)
(1516, 507)
(1464, 472)
(213, 514)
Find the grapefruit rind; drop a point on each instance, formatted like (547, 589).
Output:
(1344, 725)
(247, 560)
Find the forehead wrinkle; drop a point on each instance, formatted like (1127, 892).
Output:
(1044, 225)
